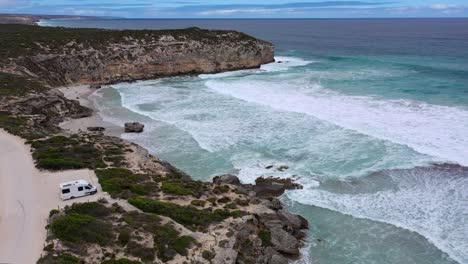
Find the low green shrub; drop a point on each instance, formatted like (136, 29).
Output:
(208, 255)
(230, 206)
(53, 212)
(188, 216)
(92, 208)
(124, 237)
(224, 199)
(242, 202)
(60, 153)
(122, 183)
(136, 220)
(175, 188)
(62, 258)
(139, 251)
(15, 85)
(121, 261)
(81, 228)
(212, 200)
(220, 189)
(19, 126)
(265, 236)
(181, 244)
(168, 243)
(199, 203)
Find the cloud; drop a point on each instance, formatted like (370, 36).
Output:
(4, 3)
(288, 8)
(258, 9)
(444, 6)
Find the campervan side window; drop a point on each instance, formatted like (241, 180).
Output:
(66, 191)
(80, 188)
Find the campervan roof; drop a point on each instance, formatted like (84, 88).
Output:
(67, 184)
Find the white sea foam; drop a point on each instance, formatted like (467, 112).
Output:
(281, 64)
(221, 123)
(431, 203)
(439, 131)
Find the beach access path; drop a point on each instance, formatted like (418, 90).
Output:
(26, 197)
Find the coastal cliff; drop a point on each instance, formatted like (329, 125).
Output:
(155, 212)
(60, 57)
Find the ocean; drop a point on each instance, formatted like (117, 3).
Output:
(370, 116)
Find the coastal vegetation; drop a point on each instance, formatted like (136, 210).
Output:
(123, 183)
(163, 205)
(61, 153)
(14, 85)
(188, 216)
(24, 40)
(112, 227)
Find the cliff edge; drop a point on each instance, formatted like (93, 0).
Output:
(58, 56)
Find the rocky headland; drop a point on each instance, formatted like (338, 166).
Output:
(154, 213)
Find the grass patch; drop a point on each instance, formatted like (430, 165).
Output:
(188, 216)
(61, 153)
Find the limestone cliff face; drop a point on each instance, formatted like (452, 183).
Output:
(144, 56)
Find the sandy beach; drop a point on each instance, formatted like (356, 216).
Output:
(82, 93)
(26, 197)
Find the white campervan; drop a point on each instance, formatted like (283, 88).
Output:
(74, 189)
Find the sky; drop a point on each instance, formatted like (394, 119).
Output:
(241, 8)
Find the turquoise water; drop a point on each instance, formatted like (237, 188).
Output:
(359, 110)
(331, 139)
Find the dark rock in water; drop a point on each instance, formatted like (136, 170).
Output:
(96, 129)
(134, 127)
(95, 86)
(269, 167)
(226, 179)
(274, 187)
(280, 61)
(282, 168)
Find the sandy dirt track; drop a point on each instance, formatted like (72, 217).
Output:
(26, 198)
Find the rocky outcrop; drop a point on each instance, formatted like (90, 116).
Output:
(226, 179)
(96, 129)
(116, 56)
(52, 106)
(134, 127)
(270, 237)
